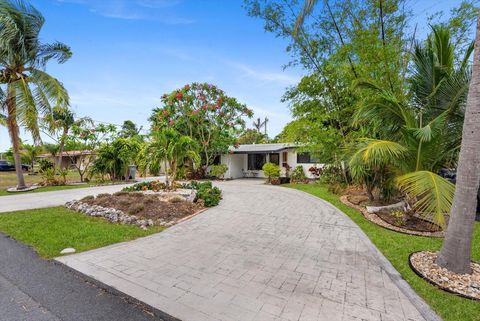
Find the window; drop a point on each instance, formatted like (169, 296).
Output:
(275, 158)
(217, 160)
(256, 161)
(305, 158)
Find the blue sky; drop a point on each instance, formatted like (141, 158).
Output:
(127, 53)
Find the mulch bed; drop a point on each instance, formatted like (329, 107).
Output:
(147, 206)
(409, 222)
(464, 285)
(374, 218)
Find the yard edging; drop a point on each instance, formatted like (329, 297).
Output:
(423, 308)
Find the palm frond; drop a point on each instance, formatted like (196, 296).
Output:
(379, 152)
(434, 194)
(57, 50)
(306, 10)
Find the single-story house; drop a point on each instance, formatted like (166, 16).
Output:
(247, 160)
(70, 159)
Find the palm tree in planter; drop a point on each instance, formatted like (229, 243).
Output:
(456, 251)
(28, 91)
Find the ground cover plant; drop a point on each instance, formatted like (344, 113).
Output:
(397, 248)
(50, 230)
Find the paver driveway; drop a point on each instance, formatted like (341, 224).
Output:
(265, 253)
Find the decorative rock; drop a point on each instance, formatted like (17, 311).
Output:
(68, 250)
(402, 205)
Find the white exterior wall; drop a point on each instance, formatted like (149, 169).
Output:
(238, 162)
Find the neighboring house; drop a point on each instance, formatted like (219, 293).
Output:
(70, 159)
(247, 160)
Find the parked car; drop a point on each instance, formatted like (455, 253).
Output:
(451, 175)
(9, 167)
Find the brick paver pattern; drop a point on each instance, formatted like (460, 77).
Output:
(265, 253)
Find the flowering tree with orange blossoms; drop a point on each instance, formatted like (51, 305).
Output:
(206, 114)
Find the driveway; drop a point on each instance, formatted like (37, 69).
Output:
(18, 201)
(265, 253)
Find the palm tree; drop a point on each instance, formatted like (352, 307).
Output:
(31, 152)
(27, 89)
(417, 138)
(456, 251)
(173, 149)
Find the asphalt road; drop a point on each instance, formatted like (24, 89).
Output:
(33, 289)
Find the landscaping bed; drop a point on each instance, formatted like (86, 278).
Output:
(464, 285)
(393, 222)
(138, 208)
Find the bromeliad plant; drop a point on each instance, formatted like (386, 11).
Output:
(420, 136)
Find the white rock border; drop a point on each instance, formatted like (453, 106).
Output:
(114, 215)
(463, 285)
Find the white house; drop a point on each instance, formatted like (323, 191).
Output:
(247, 160)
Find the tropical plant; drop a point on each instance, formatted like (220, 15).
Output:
(44, 164)
(209, 194)
(28, 91)
(455, 254)
(219, 170)
(113, 158)
(252, 136)
(31, 152)
(420, 137)
(89, 138)
(271, 170)
(172, 148)
(298, 174)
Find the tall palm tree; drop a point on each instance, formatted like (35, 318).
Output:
(418, 137)
(27, 89)
(456, 251)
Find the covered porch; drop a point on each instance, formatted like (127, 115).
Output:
(246, 161)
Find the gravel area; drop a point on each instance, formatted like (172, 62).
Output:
(464, 284)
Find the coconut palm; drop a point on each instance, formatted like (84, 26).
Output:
(418, 136)
(27, 89)
(171, 148)
(456, 251)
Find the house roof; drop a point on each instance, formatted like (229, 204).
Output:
(261, 148)
(69, 153)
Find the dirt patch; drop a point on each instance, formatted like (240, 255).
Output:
(146, 206)
(408, 221)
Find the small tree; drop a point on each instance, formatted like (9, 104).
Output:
(90, 139)
(272, 171)
(173, 149)
(31, 153)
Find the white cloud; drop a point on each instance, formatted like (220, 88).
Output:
(135, 9)
(265, 76)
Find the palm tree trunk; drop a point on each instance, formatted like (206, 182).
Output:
(61, 147)
(456, 250)
(14, 135)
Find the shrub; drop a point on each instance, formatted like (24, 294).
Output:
(44, 164)
(206, 192)
(48, 177)
(176, 199)
(315, 171)
(271, 170)
(88, 198)
(298, 174)
(103, 195)
(218, 170)
(135, 208)
(146, 186)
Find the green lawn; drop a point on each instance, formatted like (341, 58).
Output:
(397, 247)
(50, 230)
(3, 192)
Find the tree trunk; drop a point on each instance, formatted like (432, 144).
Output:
(167, 182)
(61, 147)
(14, 135)
(456, 250)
